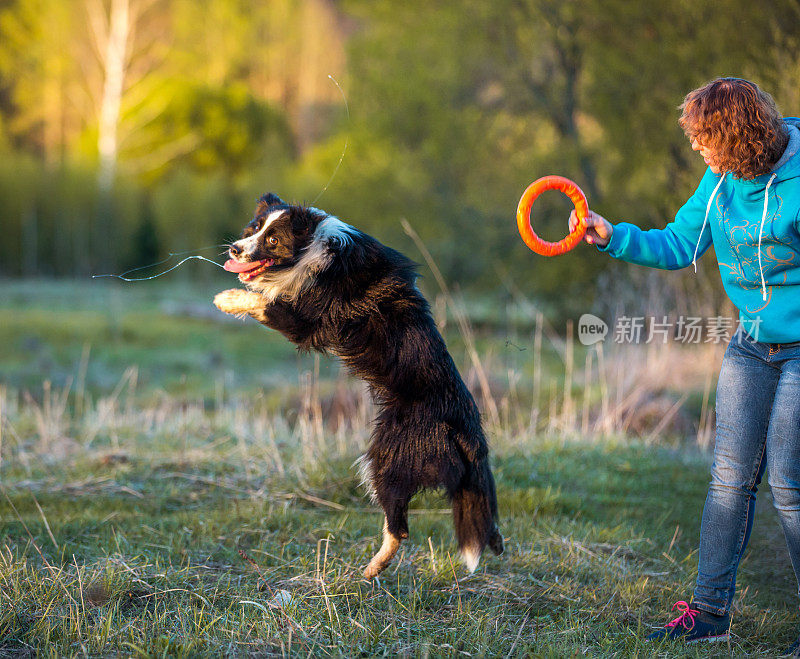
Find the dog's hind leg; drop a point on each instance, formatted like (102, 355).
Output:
(395, 530)
(391, 543)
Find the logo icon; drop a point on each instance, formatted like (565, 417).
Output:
(591, 329)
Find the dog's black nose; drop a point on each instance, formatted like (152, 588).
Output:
(235, 250)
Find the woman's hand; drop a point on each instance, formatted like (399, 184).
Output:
(598, 229)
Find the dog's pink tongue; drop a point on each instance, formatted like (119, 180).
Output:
(236, 266)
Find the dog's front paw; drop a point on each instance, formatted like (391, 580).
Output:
(234, 301)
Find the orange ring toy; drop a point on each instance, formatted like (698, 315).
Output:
(536, 188)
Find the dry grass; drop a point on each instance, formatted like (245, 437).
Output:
(139, 521)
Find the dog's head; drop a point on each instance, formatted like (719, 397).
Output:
(274, 240)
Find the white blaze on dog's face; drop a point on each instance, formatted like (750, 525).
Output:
(249, 245)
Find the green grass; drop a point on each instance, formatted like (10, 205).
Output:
(47, 329)
(171, 516)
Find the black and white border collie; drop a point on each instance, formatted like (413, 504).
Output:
(329, 287)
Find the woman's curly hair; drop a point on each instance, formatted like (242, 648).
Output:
(739, 122)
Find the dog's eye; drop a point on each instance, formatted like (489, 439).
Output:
(273, 240)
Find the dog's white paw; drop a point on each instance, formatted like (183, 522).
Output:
(234, 301)
(471, 556)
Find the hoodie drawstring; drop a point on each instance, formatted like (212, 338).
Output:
(760, 233)
(705, 220)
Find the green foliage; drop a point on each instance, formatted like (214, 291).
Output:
(47, 217)
(37, 67)
(214, 131)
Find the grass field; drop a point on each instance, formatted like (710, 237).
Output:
(175, 483)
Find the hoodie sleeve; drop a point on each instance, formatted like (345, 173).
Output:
(672, 247)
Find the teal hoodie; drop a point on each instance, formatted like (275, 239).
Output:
(754, 225)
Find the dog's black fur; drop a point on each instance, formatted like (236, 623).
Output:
(329, 287)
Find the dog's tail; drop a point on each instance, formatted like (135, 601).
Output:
(475, 515)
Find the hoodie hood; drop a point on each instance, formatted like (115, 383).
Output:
(787, 166)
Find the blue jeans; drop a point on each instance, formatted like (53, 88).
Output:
(758, 428)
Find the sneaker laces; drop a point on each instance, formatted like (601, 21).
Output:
(686, 618)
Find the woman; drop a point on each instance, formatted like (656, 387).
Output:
(748, 206)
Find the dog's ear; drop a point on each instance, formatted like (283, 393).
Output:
(269, 199)
(302, 222)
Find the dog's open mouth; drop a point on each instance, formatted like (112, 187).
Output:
(248, 270)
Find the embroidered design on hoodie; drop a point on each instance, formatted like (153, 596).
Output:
(777, 256)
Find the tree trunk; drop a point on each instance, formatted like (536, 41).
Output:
(114, 63)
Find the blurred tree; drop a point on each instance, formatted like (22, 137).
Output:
(112, 35)
(91, 76)
(144, 242)
(128, 39)
(493, 95)
(36, 62)
(777, 60)
(542, 54)
(209, 129)
(455, 108)
(416, 130)
(282, 50)
(653, 53)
